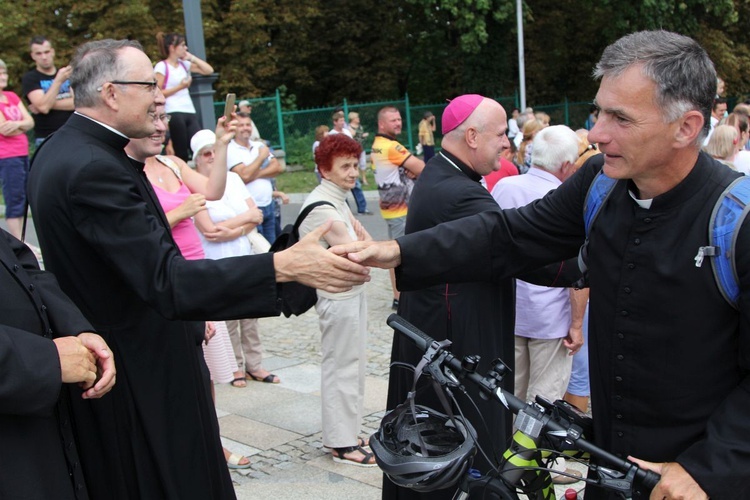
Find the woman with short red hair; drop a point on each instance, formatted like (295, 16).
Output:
(342, 316)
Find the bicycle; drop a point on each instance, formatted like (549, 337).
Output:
(544, 429)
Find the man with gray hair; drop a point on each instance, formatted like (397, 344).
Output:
(107, 239)
(670, 357)
(549, 321)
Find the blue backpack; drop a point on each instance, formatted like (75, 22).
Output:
(726, 219)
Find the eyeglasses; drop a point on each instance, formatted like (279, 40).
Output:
(152, 86)
(163, 117)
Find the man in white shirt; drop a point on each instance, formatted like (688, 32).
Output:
(549, 321)
(257, 166)
(718, 111)
(543, 314)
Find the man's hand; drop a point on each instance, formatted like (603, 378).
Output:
(77, 363)
(310, 264)
(63, 74)
(383, 254)
(105, 363)
(574, 341)
(675, 482)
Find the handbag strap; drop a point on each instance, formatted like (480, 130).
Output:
(306, 211)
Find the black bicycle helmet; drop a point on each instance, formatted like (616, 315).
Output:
(422, 449)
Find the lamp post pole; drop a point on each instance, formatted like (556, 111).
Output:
(201, 90)
(521, 66)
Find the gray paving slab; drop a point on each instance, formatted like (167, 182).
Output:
(278, 425)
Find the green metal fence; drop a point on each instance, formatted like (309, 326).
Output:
(294, 130)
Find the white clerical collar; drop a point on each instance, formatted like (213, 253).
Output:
(641, 203)
(103, 125)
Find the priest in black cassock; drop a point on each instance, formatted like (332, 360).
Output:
(45, 342)
(477, 317)
(106, 238)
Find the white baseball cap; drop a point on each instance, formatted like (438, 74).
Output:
(201, 139)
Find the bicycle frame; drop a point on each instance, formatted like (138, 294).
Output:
(523, 465)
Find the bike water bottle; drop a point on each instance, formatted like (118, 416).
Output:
(571, 494)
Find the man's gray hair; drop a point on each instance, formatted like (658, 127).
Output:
(94, 64)
(553, 146)
(684, 75)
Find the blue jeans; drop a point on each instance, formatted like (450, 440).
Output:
(359, 197)
(268, 227)
(13, 174)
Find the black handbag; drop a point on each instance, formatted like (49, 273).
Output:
(296, 298)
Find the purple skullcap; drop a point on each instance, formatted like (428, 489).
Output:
(458, 110)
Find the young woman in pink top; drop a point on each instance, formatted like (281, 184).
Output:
(15, 121)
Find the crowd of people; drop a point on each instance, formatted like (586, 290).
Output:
(484, 248)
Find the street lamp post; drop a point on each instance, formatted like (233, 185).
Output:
(201, 90)
(521, 66)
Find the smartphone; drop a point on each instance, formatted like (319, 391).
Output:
(229, 106)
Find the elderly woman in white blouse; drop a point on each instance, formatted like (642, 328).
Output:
(232, 218)
(342, 316)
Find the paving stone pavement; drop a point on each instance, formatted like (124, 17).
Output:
(278, 426)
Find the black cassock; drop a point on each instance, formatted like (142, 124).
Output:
(37, 457)
(477, 317)
(107, 240)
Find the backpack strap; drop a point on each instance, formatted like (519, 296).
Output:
(166, 74)
(729, 212)
(166, 71)
(305, 212)
(599, 191)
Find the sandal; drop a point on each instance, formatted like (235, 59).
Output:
(339, 455)
(239, 382)
(268, 379)
(233, 462)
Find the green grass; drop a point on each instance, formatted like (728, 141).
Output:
(304, 181)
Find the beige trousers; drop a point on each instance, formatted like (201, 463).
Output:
(542, 367)
(248, 350)
(343, 328)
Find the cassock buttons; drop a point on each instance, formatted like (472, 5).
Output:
(637, 241)
(647, 220)
(627, 289)
(15, 268)
(32, 287)
(620, 357)
(631, 266)
(624, 313)
(618, 379)
(620, 434)
(620, 335)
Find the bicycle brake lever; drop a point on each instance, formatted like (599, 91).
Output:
(614, 480)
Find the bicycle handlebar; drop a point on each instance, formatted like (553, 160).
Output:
(423, 341)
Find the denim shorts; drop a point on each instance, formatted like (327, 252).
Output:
(13, 174)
